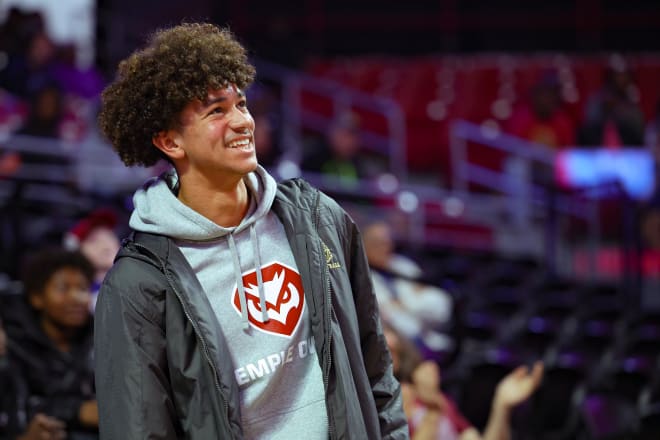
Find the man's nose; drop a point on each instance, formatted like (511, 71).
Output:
(240, 120)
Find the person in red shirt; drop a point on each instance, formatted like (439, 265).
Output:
(542, 119)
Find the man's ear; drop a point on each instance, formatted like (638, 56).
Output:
(166, 141)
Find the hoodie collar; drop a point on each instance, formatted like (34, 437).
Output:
(159, 211)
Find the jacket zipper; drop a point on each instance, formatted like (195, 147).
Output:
(328, 317)
(196, 328)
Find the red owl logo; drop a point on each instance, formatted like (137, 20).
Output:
(285, 299)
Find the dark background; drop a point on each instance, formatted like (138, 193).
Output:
(292, 31)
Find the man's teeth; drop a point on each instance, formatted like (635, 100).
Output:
(240, 144)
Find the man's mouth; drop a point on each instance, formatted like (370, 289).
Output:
(243, 143)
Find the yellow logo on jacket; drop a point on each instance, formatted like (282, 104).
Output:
(330, 258)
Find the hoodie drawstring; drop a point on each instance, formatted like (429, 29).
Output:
(260, 281)
(239, 277)
(239, 280)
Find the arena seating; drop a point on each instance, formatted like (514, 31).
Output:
(600, 349)
(433, 91)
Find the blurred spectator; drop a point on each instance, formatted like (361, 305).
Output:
(18, 29)
(45, 112)
(419, 311)
(650, 213)
(265, 142)
(43, 75)
(339, 155)
(50, 346)
(85, 83)
(433, 415)
(612, 115)
(95, 237)
(31, 70)
(264, 104)
(41, 426)
(652, 134)
(541, 118)
(13, 112)
(10, 162)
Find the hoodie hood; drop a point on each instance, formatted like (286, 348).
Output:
(159, 211)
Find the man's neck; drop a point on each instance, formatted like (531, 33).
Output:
(225, 206)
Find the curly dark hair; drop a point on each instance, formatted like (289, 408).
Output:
(42, 265)
(154, 84)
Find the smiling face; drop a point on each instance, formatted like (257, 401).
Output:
(215, 140)
(65, 299)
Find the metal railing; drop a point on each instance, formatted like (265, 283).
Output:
(531, 200)
(296, 118)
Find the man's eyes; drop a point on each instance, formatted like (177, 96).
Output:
(220, 109)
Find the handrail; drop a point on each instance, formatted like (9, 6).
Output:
(464, 172)
(53, 147)
(519, 185)
(502, 141)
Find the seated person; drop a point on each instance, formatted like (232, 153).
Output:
(433, 415)
(50, 348)
(542, 118)
(420, 311)
(340, 157)
(613, 117)
(95, 236)
(41, 426)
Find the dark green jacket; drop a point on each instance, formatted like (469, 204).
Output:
(163, 365)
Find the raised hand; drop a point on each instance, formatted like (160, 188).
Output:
(43, 427)
(517, 386)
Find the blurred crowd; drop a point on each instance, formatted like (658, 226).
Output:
(44, 91)
(46, 334)
(46, 314)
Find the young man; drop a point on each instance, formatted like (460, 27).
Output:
(50, 349)
(239, 308)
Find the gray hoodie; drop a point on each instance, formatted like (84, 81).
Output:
(262, 313)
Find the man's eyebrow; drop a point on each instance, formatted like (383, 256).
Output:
(210, 102)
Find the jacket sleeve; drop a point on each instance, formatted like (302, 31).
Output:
(378, 362)
(133, 389)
